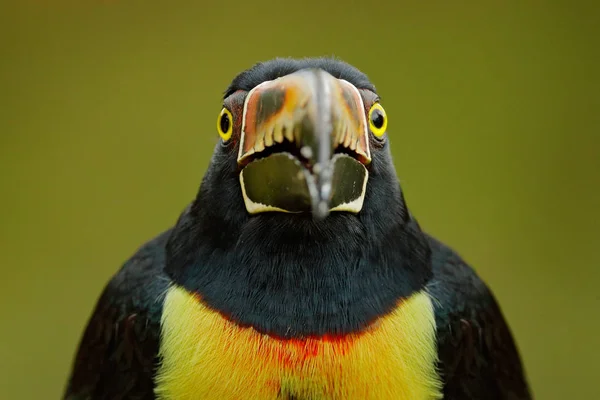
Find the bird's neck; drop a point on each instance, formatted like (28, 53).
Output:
(290, 276)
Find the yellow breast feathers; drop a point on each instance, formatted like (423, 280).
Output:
(206, 356)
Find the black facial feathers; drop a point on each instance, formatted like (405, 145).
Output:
(278, 67)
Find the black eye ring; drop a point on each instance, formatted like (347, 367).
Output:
(224, 122)
(377, 119)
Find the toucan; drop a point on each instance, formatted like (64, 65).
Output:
(298, 271)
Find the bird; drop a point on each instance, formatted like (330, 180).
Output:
(297, 271)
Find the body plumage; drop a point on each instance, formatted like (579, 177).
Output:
(255, 295)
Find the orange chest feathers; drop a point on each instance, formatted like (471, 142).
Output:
(205, 356)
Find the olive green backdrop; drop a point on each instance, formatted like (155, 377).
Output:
(107, 122)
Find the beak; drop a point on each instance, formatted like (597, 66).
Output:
(304, 145)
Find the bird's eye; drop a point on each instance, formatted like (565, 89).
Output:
(225, 124)
(377, 120)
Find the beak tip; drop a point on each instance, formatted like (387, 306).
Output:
(321, 210)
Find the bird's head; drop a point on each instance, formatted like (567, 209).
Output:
(304, 137)
(300, 213)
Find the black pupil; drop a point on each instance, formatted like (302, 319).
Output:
(377, 118)
(225, 123)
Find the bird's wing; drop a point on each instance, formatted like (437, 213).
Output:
(117, 354)
(478, 356)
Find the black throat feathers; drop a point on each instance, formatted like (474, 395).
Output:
(289, 276)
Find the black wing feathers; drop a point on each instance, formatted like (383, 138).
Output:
(118, 351)
(478, 356)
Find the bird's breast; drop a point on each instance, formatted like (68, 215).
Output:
(206, 356)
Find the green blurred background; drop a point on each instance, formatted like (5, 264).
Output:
(107, 121)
